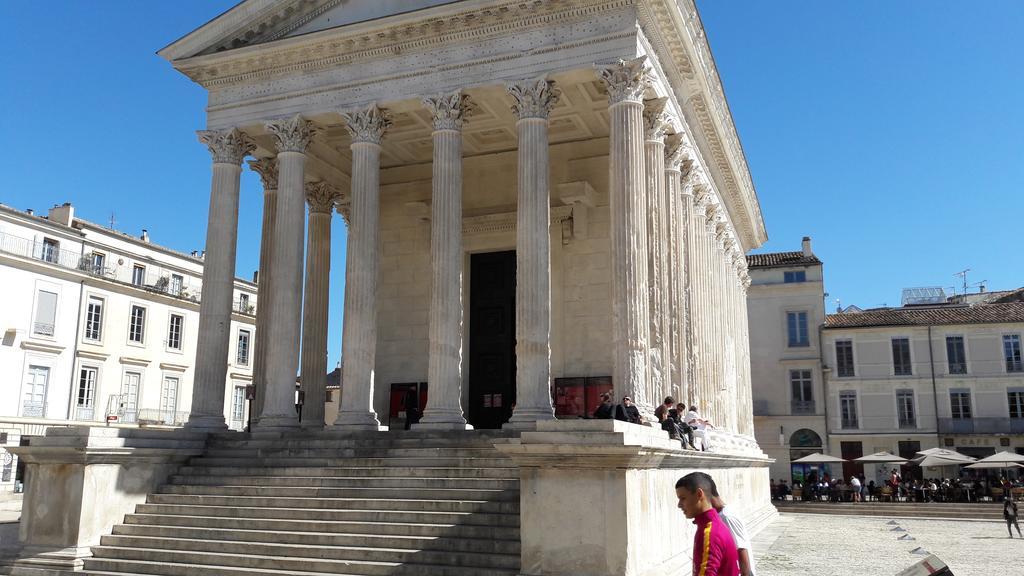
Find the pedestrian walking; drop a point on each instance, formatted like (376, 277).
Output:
(1010, 515)
(730, 515)
(714, 550)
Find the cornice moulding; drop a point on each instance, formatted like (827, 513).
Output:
(93, 354)
(38, 346)
(134, 361)
(506, 221)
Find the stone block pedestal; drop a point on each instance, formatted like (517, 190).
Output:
(81, 481)
(597, 497)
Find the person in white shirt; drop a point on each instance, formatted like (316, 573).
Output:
(730, 516)
(699, 426)
(855, 488)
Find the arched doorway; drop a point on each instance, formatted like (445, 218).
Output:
(804, 442)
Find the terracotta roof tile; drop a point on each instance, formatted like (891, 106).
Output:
(781, 259)
(930, 315)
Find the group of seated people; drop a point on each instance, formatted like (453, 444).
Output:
(896, 488)
(683, 425)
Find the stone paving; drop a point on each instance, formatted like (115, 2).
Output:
(802, 544)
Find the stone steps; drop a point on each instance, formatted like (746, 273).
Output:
(432, 504)
(896, 509)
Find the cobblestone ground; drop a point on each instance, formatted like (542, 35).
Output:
(809, 544)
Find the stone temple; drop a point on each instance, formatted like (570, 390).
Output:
(545, 199)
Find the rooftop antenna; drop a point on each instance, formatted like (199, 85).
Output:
(963, 276)
(839, 306)
(112, 221)
(980, 285)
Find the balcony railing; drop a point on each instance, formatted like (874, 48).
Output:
(243, 307)
(957, 368)
(908, 423)
(165, 417)
(802, 406)
(42, 329)
(981, 425)
(31, 409)
(84, 413)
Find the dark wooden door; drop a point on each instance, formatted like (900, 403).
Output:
(492, 338)
(849, 451)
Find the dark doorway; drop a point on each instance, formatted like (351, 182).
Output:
(492, 338)
(851, 451)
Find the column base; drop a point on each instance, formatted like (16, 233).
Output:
(358, 421)
(276, 422)
(200, 423)
(442, 419)
(40, 561)
(527, 419)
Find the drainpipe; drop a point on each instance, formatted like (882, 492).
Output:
(824, 382)
(935, 393)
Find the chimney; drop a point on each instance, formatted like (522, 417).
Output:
(30, 212)
(202, 255)
(255, 276)
(62, 214)
(806, 245)
(145, 235)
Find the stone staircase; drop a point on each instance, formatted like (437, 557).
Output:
(402, 503)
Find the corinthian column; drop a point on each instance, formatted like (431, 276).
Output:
(676, 298)
(534, 100)
(267, 169)
(282, 332)
(444, 369)
(359, 338)
(626, 81)
(228, 148)
(655, 122)
(321, 198)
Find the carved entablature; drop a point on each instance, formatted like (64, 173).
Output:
(293, 134)
(368, 125)
(267, 169)
(321, 197)
(656, 120)
(626, 80)
(227, 146)
(449, 111)
(534, 98)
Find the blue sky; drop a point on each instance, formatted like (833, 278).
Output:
(890, 132)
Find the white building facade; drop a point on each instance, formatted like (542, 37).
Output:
(786, 309)
(946, 375)
(101, 326)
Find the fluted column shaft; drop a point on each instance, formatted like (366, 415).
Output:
(313, 369)
(444, 367)
(627, 195)
(687, 289)
(676, 270)
(359, 338)
(228, 149)
(534, 100)
(283, 331)
(657, 250)
(267, 169)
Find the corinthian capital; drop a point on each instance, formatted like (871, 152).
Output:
(321, 197)
(368, 125)
(626, 80)
(655, 118)
(267, 169)
(227, 146)
(293, 134)
(674, 152)
(449, 111)
(534, 98)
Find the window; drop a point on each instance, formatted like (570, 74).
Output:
(844, 358)
(800, 384)
(94, 319)
(243, 348)
(901, 356)
(243, 303)
(174, 328)
(956, 355)
(50, 250)
(848, 408)
(238, 408)
(130, 396)
(46, 313)
(960, 404)
(905, 409)
(796, 276)
(1015, 398)
(1011, 350)
(98, 263)
(138, 275)
(137, 325)
(86, 393)
(796, 327)
(169, 399)
(34, 400)
(176, 283)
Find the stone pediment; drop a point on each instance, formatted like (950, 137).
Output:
(253, 22)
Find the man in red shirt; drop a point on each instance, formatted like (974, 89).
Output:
(714, 551)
